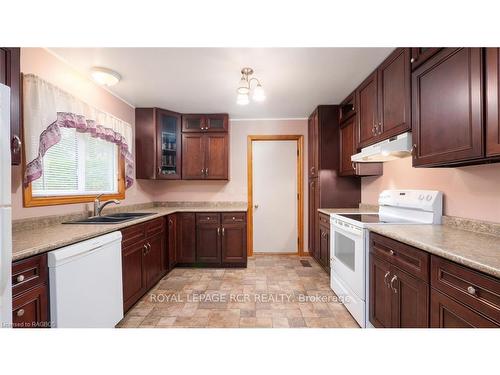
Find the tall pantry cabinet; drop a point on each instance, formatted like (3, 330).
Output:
(326, 189)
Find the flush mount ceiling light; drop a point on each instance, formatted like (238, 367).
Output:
(245, 87)
(104, 76)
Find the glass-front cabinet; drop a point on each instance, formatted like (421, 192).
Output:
(169, 146)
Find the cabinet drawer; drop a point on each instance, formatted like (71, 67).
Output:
(155, 226)
(28, 273)
(470, 287)
(208, 218)
(233, 217)
(133, 234)
(324, 219)
(407, 258)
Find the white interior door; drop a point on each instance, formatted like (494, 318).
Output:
(275, 196)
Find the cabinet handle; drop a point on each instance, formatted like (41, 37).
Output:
(170, 222)
(159, 170)
(353, 165)
(20, 312)
(379, 128)
(145, 249)
(206, 171)
(414, 150)
(385, 278)
(203, 171)
(412, 60)
(471, 290)
(222, 231)
(15, 144)
(313, 169)
(394, 278)
(218, 231)
(20, 278)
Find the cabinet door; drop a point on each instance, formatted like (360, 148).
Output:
(448, 313)
(446, 109)
(234, 243)
(10, 75)
(217, 122)
(366, 98)
(324, 245)
(410, 296)
(193, 123)
(134, 277)
(154, 261)
(420, 55)
(380, 293)
(347, 108)
(492, 101)
(168, 147)
(216, 154)
(208, 243)
(186, 237)
(172, 240)
(347, 147)
(313, 134)
(193, 156)
(313, 198)
(30, 309)
(394, 96)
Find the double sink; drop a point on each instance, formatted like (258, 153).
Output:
(111, 219)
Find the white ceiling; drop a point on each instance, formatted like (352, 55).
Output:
(204, 80)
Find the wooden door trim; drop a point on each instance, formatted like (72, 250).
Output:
(300, 186)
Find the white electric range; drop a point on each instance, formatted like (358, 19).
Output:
(350, 238)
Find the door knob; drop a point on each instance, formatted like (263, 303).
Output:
(256, 206)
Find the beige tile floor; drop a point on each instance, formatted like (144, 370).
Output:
(274, 291)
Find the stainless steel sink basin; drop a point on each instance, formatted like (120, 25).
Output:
(111, 219)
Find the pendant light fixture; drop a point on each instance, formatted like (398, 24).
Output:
(244, 88)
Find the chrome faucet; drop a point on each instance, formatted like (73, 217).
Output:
(98, 206)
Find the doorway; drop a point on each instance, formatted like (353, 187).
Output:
(275, 194)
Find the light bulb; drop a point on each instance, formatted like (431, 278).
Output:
(243, 86)
(258, 94)
(242, 99)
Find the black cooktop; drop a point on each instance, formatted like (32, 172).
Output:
(375, 219)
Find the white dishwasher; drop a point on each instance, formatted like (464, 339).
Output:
(86, 283)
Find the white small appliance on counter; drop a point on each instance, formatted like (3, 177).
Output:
(5, 211)
(349, 242)
(86, 283)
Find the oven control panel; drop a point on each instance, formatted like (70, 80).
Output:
(426, 200)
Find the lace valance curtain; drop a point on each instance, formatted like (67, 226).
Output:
(47, 108)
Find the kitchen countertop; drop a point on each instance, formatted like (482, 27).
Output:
(475, 250)
(26, 243)
(329, 211)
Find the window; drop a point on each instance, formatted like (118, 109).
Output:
(77, 169)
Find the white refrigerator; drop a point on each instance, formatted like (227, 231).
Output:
(5, 211)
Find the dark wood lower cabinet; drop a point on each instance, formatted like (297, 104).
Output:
(234, 239)
(208, 241)
(134, 281)
(155, 259)
(322, 241)
(407, 295)
(30, 293)
(186, 237)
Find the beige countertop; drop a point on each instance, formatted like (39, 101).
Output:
(475, 250)
(329, 211)
(26, 243)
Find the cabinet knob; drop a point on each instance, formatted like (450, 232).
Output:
(20, 278)
(412, 60)
(391, 252)
(20, 312)
(15, 144)
(234, 218)
(471, 290)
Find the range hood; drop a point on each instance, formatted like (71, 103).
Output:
(393, 148)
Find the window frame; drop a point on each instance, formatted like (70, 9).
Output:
(33, 201)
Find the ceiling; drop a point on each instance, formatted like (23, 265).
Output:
(204, 80)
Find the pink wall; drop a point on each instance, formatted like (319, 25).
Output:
(469, 192)
(42, 63)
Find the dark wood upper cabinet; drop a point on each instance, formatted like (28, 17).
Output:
(10, 75)
(217, 156)
(347, 108)
(394, 96)
(348, 143)
(206, 156)
(205, 123)
(366, 97)
(492, 102)
(186, 237)
(419, 55)
(447, 108)
(193, 163)
(158, 144)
